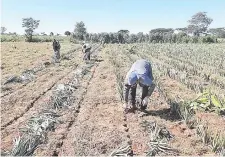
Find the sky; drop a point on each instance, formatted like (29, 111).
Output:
(136, 16)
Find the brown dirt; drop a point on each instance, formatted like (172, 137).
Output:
(160, 114)
(18, 56)
(19, 106)
(55, 139)
(22, 100)
(192, 145)
(94, 125)
(214, 121)
(49, 69)
(98, 128)
(176, 90)
(9, 132)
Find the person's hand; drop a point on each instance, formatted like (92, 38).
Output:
(144, 103)
(125, 105)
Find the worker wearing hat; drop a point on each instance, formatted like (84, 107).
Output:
(140, 73)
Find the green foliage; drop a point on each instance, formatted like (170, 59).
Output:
(218, 32)
(162, 30)
(208, 102)
(11, 38)
(208, 39)
(132, 38)
(199, 23)
(80, 31)
(36, 38)
(30, 24)
(3, 29)
(140, 37)
(67, 33)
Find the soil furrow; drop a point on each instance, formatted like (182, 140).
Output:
(55, 150)
(11, 131)
(30, 105)
(37, 75)
(97, 129)
(68, 117)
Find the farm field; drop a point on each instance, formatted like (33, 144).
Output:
(75, 108)
(18, 56)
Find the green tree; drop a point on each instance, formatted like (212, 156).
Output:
(140, 37)
(162, 30)
(43, 33)
(30, 24)
(80, 30)
(184, 30)
(133, 38)
(51, 34)
(123, 35)
(199, 23)
(218, 32)
(124, 31)
(3, 30)
(67, 33)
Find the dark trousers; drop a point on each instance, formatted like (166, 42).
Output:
(146, 91)
(132, 94)
(56, 56)
(87, 55)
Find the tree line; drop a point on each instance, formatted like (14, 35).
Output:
(196, 31)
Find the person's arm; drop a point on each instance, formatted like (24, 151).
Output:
(126, 88)
(59, 46)
(84, 48)
(126, 92)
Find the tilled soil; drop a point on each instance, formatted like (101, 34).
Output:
(98, 128)
(17, 107)
(95, 124)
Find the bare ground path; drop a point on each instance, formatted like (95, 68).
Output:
(98, 129)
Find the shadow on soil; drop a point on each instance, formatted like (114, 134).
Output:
(97, 60)
(163, 113)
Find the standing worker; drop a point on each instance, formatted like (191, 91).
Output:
(56, 48)
(140, 73)
(86, 49)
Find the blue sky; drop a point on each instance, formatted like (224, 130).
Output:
(108, 15)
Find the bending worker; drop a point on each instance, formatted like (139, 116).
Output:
(140, 73)
(86, 49)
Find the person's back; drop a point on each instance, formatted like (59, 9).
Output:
(56, 45)
(139, 73)
(56, 48)
(86, 48)
(142, 67)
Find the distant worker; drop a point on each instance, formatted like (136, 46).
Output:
(140, 73)
(56, 48)
(86, 49)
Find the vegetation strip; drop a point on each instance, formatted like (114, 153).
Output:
(55, 152)
(25, 145)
